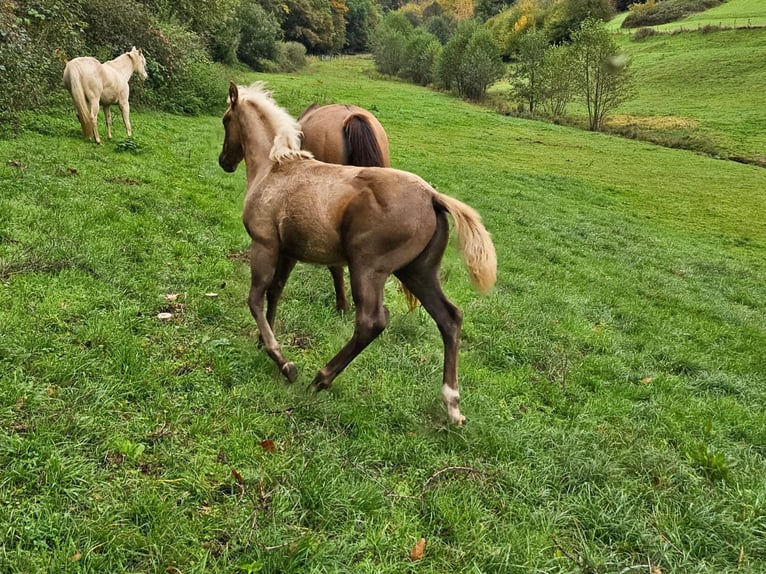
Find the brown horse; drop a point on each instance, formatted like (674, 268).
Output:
(347, 135)
(378, 221)
(92, 83)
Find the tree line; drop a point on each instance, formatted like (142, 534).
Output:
(458, 45)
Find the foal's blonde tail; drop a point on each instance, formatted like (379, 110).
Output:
(476, 245)
(73, 83)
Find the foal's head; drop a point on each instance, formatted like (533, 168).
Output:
(253, 113)
(232, 152)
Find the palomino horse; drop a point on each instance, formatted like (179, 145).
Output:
(378, 221)
(90, 82)
(348, 135)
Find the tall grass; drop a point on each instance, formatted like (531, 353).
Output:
(612, 381)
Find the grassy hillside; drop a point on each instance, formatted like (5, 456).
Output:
(702, 86)
(612, 381)
(730, 14)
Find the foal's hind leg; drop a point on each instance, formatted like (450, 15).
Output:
(371, 318)
(421, 277)
(263, 269)
(341, 303)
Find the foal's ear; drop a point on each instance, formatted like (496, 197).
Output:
(233, 94)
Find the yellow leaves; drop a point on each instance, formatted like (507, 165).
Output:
(522, 23)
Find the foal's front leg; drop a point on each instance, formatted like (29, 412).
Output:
(264, 266)
(371, 318)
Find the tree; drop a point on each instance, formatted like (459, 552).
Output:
(557, 82)
(569, 14)
(312, 23)
(470, 61)
(389, 43)
(482, 65)
(419, 56)
(528, 73)
(603, 76)
(259, 36)
(360, 21)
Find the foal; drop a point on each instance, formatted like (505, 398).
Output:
(378, 221)
(92, 83)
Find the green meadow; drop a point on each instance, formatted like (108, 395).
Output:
(613, 380)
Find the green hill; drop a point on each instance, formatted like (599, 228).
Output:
(704, 91)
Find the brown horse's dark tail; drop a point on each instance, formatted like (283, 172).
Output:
(361, 143)
(474, 240)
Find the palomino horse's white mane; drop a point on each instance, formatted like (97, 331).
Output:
(287, 130)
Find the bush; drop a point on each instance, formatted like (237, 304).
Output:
(189, 82)
(36, 39)
(420, 54)
(644, 32)
(292, 57)
(652, 13)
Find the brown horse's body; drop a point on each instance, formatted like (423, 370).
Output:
(344, 134)
(347, 135)
(377, 221)
(92, 83)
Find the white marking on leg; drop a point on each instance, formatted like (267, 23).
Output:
(452, 401)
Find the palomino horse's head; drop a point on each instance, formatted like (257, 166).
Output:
(139, 62)
(232, 152)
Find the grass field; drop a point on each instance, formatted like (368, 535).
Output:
(613, 380)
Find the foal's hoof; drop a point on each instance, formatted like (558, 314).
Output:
(317, 386)
(289, 371)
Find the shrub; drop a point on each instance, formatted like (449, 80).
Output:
(652, 13)
(35, 41)
(420, 54)
(292, 56)
(644, 32)
(190, 84)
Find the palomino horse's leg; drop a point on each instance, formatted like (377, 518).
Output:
(94, 119)
(285, 265)
(263, 265)
(125, 110)
(108, 116)
(421, 277)
(371, 318)
(341, 303)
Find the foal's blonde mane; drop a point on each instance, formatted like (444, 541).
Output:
(287, 138)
